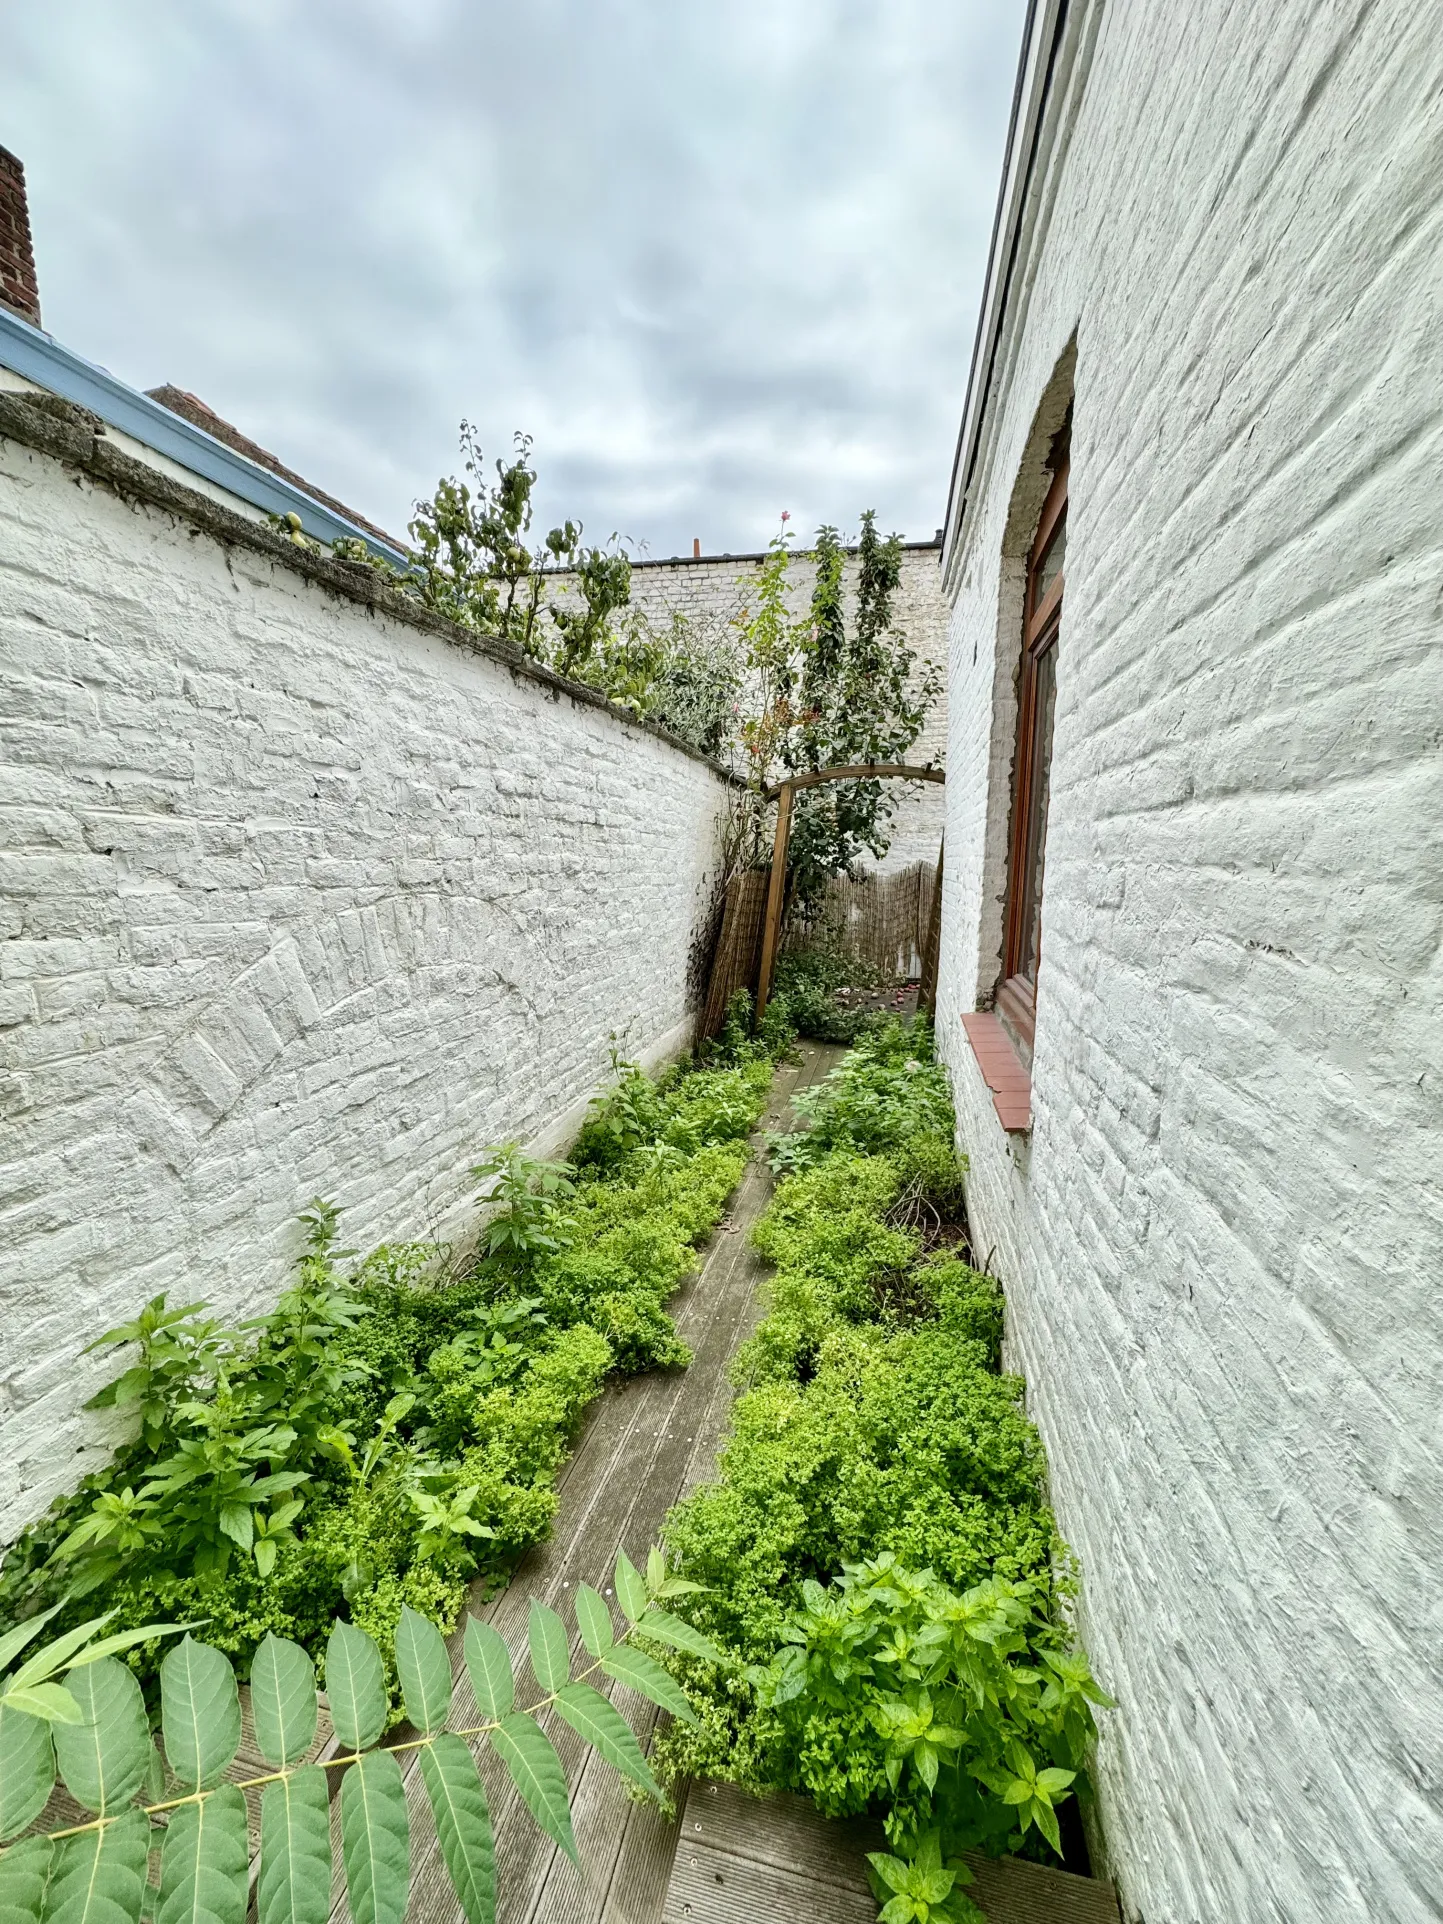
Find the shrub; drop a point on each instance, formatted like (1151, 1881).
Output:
(877, 1554)
(397, 1424)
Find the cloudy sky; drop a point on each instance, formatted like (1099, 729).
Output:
(719, 260)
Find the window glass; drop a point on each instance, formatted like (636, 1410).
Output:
(1045, 685)
(1050, 565)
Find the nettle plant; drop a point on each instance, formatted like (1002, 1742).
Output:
(74, 1706)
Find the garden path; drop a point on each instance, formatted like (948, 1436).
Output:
(646, 1442)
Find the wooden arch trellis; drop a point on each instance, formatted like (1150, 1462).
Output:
(782, 794)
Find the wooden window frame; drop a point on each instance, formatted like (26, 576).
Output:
(1016, 998)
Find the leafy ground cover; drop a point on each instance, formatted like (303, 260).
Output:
(393, 1428)
(877, 1554)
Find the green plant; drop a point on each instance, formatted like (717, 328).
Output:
(876, 1553)
(412, 1372)
(923, 1888)
(697, 688)
(969, 1710)
(858, 699)
(93, 1726)
(527, 1195)
(603, 580)
(180, 1354)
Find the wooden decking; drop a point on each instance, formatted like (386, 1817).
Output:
(740, 1858)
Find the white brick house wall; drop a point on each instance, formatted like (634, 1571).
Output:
(295, 898)
(1221, 1242)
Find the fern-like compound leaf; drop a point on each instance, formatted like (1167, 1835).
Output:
(463, 1825)
(526, 1750)
(27, 1770)
(604, 1727)
(681, 1636)
(99, 1877)
(424, 1668)
(488, 1664)
(593, 1620)
(294, 1886)
(630, 1586)
(642, 1673)
(375, 1838)
(283, 1700)
(104, 1760)
(550, 1647)
(25, 1871)
(355, 1686)
(200, 1715)
(204, 1861)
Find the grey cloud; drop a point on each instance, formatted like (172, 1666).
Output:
(717, 260)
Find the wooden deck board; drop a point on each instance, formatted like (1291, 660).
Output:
(778, 1858)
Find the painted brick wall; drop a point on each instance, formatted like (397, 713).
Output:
(295, 899)
(1221, 1243)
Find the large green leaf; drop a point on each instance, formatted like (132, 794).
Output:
(200, 1715)
(535, 1768)
(593, 1620)
(294, 1886)
(681, 1636)
(14, 1641)
(25, 1879)
(355, 1686)
(463, 1825)
(424, 1667)
(283, 1699)
(204, 1862)
(100, 1875)
(550, 1647)
(51, 1702)
(375, 1839)
(630, 1586)
(50, 1657)
(643, 1673)
(105, 1759)
(488, 1664)
(27, 1770)
(603, 1725)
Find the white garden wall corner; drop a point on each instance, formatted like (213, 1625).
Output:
(1220, 1241)
(301, 892)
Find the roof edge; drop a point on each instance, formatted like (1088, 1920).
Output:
(37, 356)
(1033, 99)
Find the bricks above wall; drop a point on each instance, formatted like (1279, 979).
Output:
(19, 289)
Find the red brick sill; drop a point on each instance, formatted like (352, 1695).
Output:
(1002, 1070)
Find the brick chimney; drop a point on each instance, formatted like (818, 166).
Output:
(19, 289)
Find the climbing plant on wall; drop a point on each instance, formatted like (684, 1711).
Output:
(836, 685)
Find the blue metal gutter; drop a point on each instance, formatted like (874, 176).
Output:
(40, 358)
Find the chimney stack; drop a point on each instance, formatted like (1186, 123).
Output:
(19, 289)
(696, 547)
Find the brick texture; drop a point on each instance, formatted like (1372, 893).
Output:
(19, 289)
(294, 900)
(1221, 1241)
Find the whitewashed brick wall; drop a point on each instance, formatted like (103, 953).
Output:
(295, 898)
(1221, 1243)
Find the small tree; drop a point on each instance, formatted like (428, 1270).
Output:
(826, 692)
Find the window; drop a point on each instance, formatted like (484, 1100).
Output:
(1036, 701)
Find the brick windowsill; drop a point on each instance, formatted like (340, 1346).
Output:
(1002, 1070)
